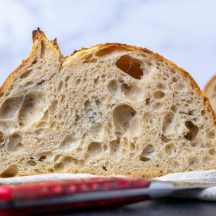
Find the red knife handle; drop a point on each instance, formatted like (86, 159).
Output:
(33, 191)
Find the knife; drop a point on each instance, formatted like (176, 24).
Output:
(90, 192)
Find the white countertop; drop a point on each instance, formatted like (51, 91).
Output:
(181, 30)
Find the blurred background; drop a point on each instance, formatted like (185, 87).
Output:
(180, 30)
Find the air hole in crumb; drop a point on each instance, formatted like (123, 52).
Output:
(179, 87)
(211, 151)
(50, 170)
(62, 98)
(169, 148)
(42, 158)
(65, 163)
(130, 66)
(41, 82)
(77, 118)
(69, 142)
(122, 116)
(173, 71)
(25, 74)
(78, 149)
(89, 59)
(60, 85)
(98, 103)
(148, 153)
(67, 78)
(159, 94)
(109, 50)
(165, 139)
(160, 86)
(193, 130)
(206, 159)
(10, 107)
(175, 163)
(28, 83)
(194, 144)
(104, 168)
(190, 112)
(157, 106)
(114, 146)
(35, 61)
(173, 108)
(67, 160)
(174, 79)
(90, 113)
(147, 116)
(1, 137)
(59, 166)
(167, 122)
(113, 87)
(127, 89)
(203, 112)
(147, 100)
(94, 149)
(11, 171)
(192, 161)
(56, 158)
(31, 163)
(96, 80)
(32, 109)
(78, 81)
(132, 146)
(53, 106)
(210, 134)
(15, 143)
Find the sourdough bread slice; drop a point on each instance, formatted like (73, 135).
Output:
(210, 92)
(109, 109)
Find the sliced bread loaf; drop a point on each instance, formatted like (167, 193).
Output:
(109, 109)
(210, 92)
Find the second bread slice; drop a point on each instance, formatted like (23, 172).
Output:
(210, 92)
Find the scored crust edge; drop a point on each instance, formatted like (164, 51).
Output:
(39, 35)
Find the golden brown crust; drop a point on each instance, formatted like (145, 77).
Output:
(37, 34)
(209, 85)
